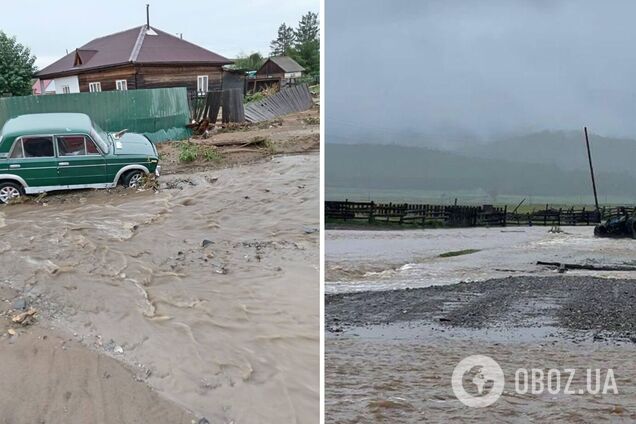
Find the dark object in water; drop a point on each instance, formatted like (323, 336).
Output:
(619, 226)
(562, 267)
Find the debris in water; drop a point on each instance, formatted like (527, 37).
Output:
(11, 332)
(118, 350)
(310, 230)
(24, 318)
(206, 243)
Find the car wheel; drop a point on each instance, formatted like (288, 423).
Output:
(600, 230)
(134, 179)
(631, 227)
(10, 191)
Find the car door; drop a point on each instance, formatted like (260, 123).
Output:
(79, 161)
(33, 159)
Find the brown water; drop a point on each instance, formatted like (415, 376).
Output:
(382, 260)
(230, 330)
(409, 381)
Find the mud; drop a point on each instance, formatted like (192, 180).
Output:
(207, 288)
(290, 134)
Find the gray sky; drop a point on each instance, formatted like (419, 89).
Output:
(49, 28)
(457, 69)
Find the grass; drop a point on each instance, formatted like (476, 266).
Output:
(189, 152)
(454, 253)
(268, 144)
(210, 154)
(312, 120)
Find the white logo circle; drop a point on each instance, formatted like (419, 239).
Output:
(487, 373)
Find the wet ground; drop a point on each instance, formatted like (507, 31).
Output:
(207, 288)
(399, 318)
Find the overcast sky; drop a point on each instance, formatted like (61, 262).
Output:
(227, 28)
(454, 68)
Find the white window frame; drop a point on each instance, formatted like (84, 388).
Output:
(94, 87)
(202, 83)
(121, 85)
(66, 89)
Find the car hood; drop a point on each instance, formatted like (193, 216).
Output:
(134, 144)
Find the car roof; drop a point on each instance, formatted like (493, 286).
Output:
(46, 123)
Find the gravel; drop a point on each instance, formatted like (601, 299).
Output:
(605, 308)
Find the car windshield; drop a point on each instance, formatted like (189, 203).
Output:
(101, 137)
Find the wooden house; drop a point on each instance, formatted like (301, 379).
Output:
(141, 57)
(280, 70)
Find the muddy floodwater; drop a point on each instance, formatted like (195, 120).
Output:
(209, 288)
(390, 353)
(381, 260)
(409, 381)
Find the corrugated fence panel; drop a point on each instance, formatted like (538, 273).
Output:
(161, 113)
(291, 99)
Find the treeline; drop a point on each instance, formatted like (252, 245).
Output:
(301, 43)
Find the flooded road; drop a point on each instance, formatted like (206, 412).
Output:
(381, 260)
(209, 288)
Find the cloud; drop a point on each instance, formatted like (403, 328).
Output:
(479, 69)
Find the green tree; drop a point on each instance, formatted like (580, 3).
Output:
(284, 42)
(307, 43)
(16, 67)
(249, 62)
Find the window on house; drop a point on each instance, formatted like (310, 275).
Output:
(66, 89)
(202, 83)
(121, 85)
(94, 87)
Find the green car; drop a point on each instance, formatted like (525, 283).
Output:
(63, 151)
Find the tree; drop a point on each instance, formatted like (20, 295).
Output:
(284, 42)
(16, 67)
(307, 43)
(308, 29)
(249, 62)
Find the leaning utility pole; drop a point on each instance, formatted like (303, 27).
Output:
(589, 158)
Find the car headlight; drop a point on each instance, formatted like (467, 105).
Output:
(158, 170)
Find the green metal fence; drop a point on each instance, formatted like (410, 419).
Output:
(161, 113)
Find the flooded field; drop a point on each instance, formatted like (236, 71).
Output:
(380, 260)
(409, 381)
(390, 354)
(208, 288)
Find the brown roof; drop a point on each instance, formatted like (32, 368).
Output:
(286, 63)
(136, 45)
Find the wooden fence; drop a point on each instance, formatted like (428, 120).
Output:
(464, 216)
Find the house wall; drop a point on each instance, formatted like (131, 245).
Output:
(107, 78)
(72, 82)
(145, 76)
(270, 68)
(289, 75)
(150, 76)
